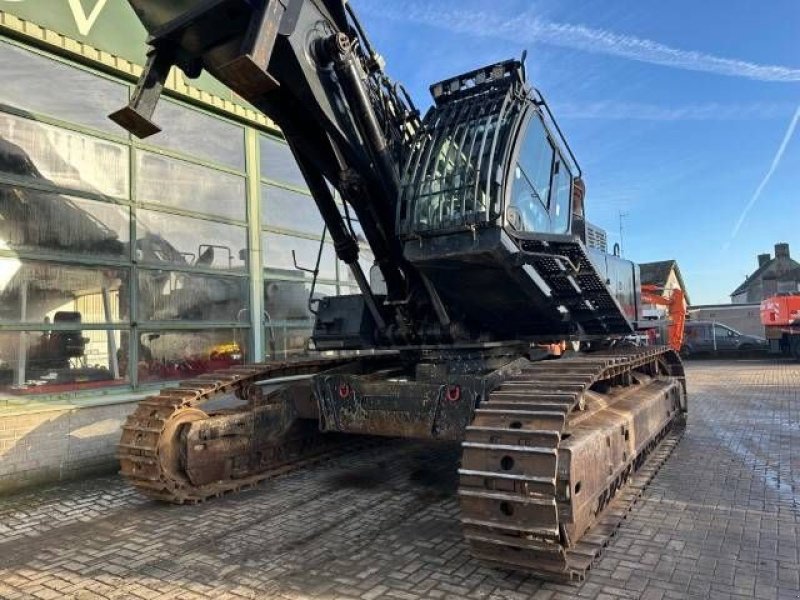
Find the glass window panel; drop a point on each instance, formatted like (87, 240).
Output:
(525, 211)
(40, 292)
(176, 355)
(285, 341)
(365, 258)
(536, 160)
(290, 210)
(288, 300)
(163, 238)
(362, 239)
(453, 187)
(376, 281)
(41, 362)
(171, 296)
(47, 154)
(82, 97)
(277, 251)
(170, 182)
(562, 187)
(278, 164)
(199, 134)
(34, 220)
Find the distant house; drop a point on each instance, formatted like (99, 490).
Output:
(666, 276)
(777, 275)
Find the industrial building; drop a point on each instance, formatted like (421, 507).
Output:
(127, 263)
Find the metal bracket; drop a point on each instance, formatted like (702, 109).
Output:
(249, 71)
(176, 44)
(137, 116)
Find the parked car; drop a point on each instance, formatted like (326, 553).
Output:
(709, 337)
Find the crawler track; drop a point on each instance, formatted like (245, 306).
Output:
(550, 468)
(551, 464)
(152, 448)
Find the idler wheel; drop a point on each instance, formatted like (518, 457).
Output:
(171, 443)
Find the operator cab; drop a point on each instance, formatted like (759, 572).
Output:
(491, 212)
(488, 158)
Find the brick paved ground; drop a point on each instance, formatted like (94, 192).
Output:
(721, 520)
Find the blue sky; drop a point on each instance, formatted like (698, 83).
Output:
(681, 113)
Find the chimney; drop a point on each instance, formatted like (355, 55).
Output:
(763, 259)
(782, 250)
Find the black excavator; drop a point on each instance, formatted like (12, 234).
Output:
(475, 217)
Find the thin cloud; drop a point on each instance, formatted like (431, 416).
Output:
(711, 111)
(527, 28)
(772, 168)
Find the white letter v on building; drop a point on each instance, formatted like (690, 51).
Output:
(82, 20)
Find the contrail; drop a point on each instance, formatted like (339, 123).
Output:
(712, 111)
(529, 29)
(775, 162)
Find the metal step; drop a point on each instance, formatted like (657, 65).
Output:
(515, 529)
(531, 405)
(514, 437)
(522, 419)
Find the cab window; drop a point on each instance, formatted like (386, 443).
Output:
(530, 189)
(562, 196)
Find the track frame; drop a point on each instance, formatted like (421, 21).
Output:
(556, 455)
(173, 451)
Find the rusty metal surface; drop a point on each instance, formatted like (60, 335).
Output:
(173, 451)
(558, 448)
(434, 401)
(409, 409)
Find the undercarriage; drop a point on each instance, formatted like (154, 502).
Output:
(553, 451)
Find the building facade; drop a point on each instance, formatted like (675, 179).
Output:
(775, 275)
(126, 263)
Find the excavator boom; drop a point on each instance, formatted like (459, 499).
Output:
(675, 302)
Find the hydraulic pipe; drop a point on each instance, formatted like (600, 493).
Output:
(346, 66)
(346, 247)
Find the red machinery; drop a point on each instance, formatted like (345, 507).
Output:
(676, 310)
(780, 316)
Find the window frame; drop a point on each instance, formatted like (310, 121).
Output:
(341, 281)
(530, 113)
(128, 201)
(559, 160)
(523, 137)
